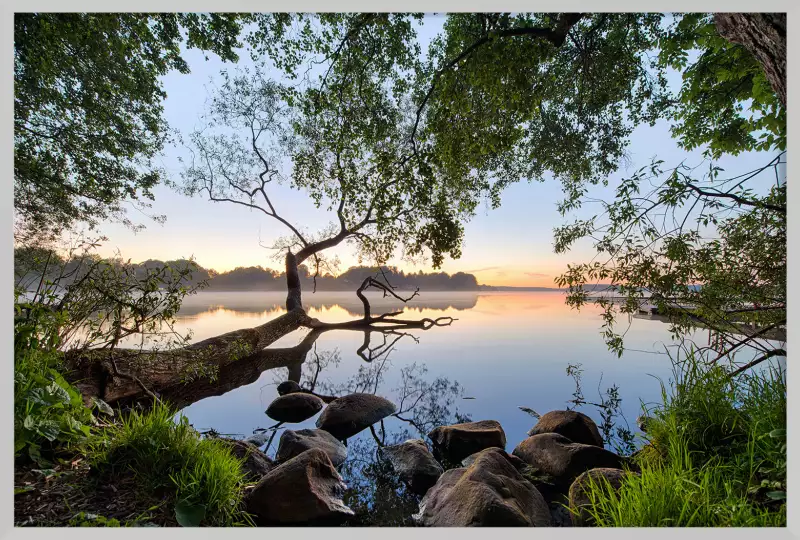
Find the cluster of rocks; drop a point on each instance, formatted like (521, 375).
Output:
(465, 479)
(302, 484)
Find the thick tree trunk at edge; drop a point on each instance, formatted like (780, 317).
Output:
(764, 35)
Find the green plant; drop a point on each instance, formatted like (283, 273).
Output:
(616, 436)
(168, 457)
(82, 519)
(48, 411)
(717, 455)
(676, 492)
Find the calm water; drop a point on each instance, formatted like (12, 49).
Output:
(505, 350)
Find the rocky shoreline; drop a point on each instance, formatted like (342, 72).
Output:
(465, 477)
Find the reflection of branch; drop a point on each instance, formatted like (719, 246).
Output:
(409, 421)
(371, 354)
(763, 357)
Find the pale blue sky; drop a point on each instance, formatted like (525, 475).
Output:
(508, 246)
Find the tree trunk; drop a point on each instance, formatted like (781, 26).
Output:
(764, 35)
(293, 298)
(237, 374)
(114, 375)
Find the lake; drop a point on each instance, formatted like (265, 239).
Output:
(503, 351)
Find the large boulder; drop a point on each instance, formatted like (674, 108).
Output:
(294, 443)
(488, 493)
(294, 407)
(415, 465)
(348, 415)
(305, 489)
(563, 460)
(255, 463)
(515, 461)
(578, 498)
(458, 441)
(573, 425)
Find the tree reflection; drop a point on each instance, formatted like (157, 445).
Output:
(375, 492)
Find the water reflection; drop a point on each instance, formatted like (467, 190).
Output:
(244, 304)
(504, 351)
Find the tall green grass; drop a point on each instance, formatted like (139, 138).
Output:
(717, 455)
(169, 458)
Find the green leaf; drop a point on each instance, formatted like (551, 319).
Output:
(779, 433)
(102, 406)
(29, 422)
(23, 489)
(189, 515)
(48, 429)
(777, 495)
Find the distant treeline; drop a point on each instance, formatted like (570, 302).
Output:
(30, 263)
(265, 279)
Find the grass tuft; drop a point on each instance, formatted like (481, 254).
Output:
(169, 458)
(717, 456)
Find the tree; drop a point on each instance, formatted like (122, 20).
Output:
(706, 251)
(346, 160)
(503, 97)
(764, 35)
(88, 109)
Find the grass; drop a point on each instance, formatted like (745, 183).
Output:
(166, 457)
(716, 458)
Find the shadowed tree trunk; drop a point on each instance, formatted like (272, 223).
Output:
(240, 373)
(294, 298)
(117, 374)
(764, 35)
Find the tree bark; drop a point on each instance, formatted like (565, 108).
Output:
(294, 298)
(239, 373)
(764, 35)
(119, 374)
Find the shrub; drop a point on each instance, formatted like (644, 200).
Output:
(48, 411)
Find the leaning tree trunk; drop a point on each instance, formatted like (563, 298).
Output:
(114, 375)
(237, 374)
(294, 299)
(764, 35)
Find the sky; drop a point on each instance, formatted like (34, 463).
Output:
(509, 246)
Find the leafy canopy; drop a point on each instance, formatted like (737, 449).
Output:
(88, 113)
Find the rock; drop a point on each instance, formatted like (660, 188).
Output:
(415, 465)
(560, 515)
(294, 407)
(288, 387)
(488, 493)
(255, 463)
(294, 443)
(515, 461)
(347, 415)
(573, 425)
(305, 489)
(578, 500)
(563, 460)
(454, 443)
